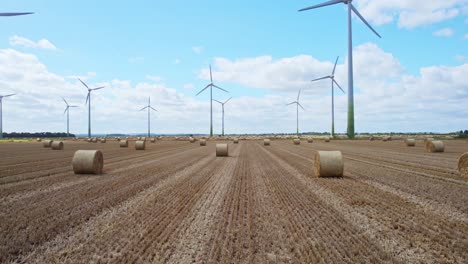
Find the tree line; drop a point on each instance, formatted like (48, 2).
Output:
(36, 135)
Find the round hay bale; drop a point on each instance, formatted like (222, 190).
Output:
(296, 141)
(428, 139)
(371, 138)
(143, 138)
(90, 140)
(123, 143)
(140, 145)
(463, 165)
(222, 150)
(138, 138)
(192, 140)
(435, 146)
(94, 140)
(88, 162)
(327, 139)
(103, 140)
(310, 140)
(202, 142)
(410, 142)
(328, 164)
(236, 141)
(266, 142)
(47, 143)
(38, 139)
(153, 140)
(57, 145)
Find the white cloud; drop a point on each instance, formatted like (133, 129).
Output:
(40, 44)
(136, 59)
(189, 86)
(445, 32)
(88, 75)
(411, 13)
(386, 96)
(197, 49)
(461, 58)
(153, 78)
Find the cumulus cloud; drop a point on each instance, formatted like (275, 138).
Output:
(24, 42)
(411, 13)
(188, 86)
(387, 97)
(153, 78)
(445, 32)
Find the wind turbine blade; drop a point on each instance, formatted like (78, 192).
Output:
(211, 75)
(143, 108)
(301, 106)
(16, 14)
(322, 5)
(217, 101)
(94, 89)
(292, 103)
(87, 97)
(334, 68)
(363, 20)
(66, 108)
(298, 94)
(203, 89)
(320, 78)
(220, 88)
(153, 108)
(72, 106)
(338, 86)
(83, 83)
(228, 100)
(8, 95)
(65, 101)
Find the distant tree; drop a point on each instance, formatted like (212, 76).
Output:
(36, 135)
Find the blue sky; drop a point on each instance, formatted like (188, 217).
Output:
(169, 44)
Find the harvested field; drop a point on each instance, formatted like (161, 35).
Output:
(176, 202)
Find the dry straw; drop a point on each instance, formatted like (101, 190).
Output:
(327, 139)
(38, 139)
(153, 140)
(57, 145)
(296, 141)
(140, 145)
(463, 165)
(328, 164)
(310, 140)
(371, 138)
(88, 162)
(103, 140)
(47, 143)
(266, 142)
(202, 142)
(236, 140)
(435, 146)
(410, 142)
(123, 143)
(192, 140)
(222, 150)
(94, 140)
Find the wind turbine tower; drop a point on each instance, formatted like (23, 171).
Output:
(67, 110)
(351, 9)
(149, 107)
(211, 85)
(1, 118)
(333, 82)
(222, 104)
(88, 101)
(297, 111)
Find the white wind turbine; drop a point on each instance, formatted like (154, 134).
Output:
(67, 110)
(222, 104)
(297, 110)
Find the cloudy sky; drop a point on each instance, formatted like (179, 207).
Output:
(413, 79)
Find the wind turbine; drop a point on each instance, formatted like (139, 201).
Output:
(350, 55)
(1, 119)
(67, 110)
(211, 85)
(297, 109)
(88, 101)
(222, 104)
(16, 14)
(149, 115)
(332, 78)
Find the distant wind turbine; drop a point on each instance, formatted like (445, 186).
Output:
(211, 85)
(351, 9)
(1, 118)
(67, 110)
(332, 78)
(222, 104)
(297, 110)
(149, 107)
(88, 101)
(16, 14)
